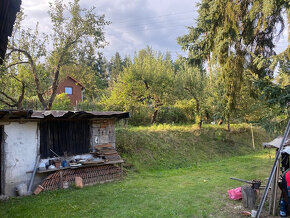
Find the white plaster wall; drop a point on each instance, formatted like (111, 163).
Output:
(20, 149)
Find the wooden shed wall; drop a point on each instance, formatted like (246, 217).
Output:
(61, 136)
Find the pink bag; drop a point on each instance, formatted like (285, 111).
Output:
(235, 194)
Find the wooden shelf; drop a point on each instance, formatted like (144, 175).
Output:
(82, 166)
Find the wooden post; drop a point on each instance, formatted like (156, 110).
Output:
(253, 140)
(275, 188)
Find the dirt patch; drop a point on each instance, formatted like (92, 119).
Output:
(234, 209)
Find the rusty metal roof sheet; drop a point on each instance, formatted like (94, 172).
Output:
(29, 114)
(15, 114)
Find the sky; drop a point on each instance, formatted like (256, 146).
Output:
(135, 24)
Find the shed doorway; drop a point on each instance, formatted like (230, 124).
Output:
(1, 160)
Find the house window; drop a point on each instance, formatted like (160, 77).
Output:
(68, 90)
(64, 136)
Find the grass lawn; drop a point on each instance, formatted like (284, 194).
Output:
(199, 191)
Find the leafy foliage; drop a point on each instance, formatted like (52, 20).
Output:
(76, 33)
(238, 37)
(62, 102)
(147, 82)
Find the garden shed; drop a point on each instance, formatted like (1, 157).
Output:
(57, 146)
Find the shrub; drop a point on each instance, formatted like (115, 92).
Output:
(89, 106)
(171, 114)
(62, 102)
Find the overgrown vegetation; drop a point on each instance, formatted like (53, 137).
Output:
(173, 146)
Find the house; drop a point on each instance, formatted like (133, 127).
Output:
(50, 148)
(73, 88)
(8, 11)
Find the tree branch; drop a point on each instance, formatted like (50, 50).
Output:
(21, 62)
(5, 102)
(36, 79)
(21, 97)
(56, 72)
(7, 96)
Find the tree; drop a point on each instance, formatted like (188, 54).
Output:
(62, 102)
(147, 82)
(238, 36)
(74, 31)
(115, 67)
(13, 76)
(192, 83)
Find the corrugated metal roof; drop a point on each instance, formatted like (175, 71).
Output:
(29, 114)
(276, 143)
(15, 114)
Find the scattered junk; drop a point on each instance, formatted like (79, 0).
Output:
(245, 213)
(47, 150)
(235, 194)
(255, 184)
(248, 193)
(79, 182)
(38, 189)
(278, 183)
(21, 189)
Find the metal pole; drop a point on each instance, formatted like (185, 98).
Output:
(241, 180)
(273, 171)
(33, 173)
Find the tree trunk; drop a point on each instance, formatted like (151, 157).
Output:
(200, 124)
(54, 88)
(198, 112)
(21, 98)
(229, 124)
(154, 116)
(249, 196)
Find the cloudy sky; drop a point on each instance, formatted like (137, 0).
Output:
(135, 23)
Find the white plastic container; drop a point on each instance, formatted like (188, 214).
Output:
(21, 189)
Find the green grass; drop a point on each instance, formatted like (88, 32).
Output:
(168, 146)
(187, 192)
(181, 172)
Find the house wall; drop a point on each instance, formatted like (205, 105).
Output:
(103, 132)
(76, 90)
(20, 151)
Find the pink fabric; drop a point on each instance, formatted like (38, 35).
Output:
(235, 194)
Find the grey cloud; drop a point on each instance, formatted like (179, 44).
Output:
(135, 24)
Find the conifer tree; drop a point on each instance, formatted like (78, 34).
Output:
(238, 36)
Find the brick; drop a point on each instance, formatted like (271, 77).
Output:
(79, 182)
